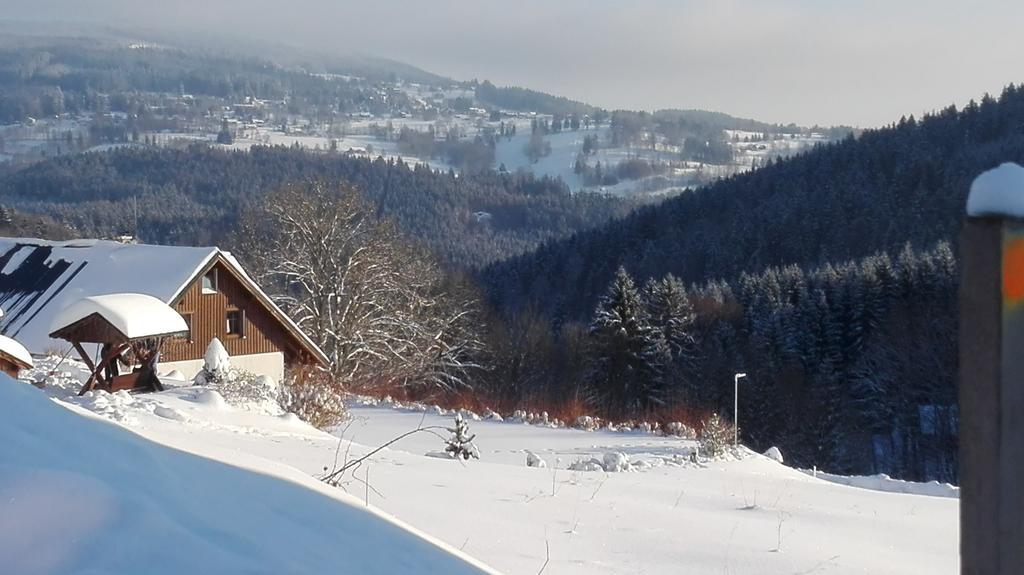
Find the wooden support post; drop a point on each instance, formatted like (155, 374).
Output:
(91, 383)
(112, 355)
(991, 387)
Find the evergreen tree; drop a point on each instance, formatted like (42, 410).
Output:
(671, 313)
(628, 353)
(225, 136)
(460, 444)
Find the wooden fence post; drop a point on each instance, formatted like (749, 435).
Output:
(991, 378)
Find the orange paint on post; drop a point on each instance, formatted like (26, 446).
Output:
(1013, 272)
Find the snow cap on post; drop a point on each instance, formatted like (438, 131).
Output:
(998, 192)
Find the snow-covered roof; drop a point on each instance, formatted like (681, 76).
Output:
(39, 278)
(135, 315)
(15, 350)
(998, 192)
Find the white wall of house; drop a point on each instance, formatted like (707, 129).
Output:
(270, 364)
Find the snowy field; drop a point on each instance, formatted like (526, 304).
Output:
(558, 164)
(785, 146)
(660, 513)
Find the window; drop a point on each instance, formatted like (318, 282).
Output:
(210, 282)
(188, 322)
(236, 322)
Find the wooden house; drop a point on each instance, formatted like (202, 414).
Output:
(207, 286)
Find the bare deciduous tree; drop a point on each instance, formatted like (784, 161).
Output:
(379, 306)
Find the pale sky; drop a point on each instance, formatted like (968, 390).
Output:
(863, 63)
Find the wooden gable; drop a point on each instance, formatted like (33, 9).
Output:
(207, 307)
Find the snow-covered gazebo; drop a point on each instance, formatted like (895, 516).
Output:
(119, 323)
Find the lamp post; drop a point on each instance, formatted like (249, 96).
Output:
(736, 409)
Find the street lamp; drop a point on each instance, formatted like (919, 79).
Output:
(736, 409)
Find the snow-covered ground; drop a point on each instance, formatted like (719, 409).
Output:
(558, 164)
(784, 145)
(79, 494)
(663, 514)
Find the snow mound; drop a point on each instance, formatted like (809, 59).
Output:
(170, 413)
(65, 493)
(114, 406)
(534, 460)
(774, 453)
(211, 399)
(291, 419)
(883, 482)
(586, 465)
(998, 192)
(611, 462)
(616, 462)
(174, 378)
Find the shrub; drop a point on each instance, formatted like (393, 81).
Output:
(236, 386)
(716, 435)
(315, 396)
(242, 387)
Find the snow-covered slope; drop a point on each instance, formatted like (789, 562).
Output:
(78, 494)
(665, 515)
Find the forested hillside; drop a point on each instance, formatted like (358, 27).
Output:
(905, 183)
(51, 76)
(195, 196)
(515, 98)
(829, 278)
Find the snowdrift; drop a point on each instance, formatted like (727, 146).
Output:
(79, 494)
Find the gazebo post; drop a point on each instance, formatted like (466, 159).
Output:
(91, 383)
(115, 351)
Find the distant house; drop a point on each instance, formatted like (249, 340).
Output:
(207, 286)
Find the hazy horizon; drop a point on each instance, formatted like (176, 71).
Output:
(855, 63)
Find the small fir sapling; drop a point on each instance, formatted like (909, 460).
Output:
(715, 437)
(460, 445)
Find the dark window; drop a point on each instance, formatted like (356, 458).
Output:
(210, 282)
(236, 322)
(188, 321)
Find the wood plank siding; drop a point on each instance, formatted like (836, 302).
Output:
(207, 313)
(10, 365)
